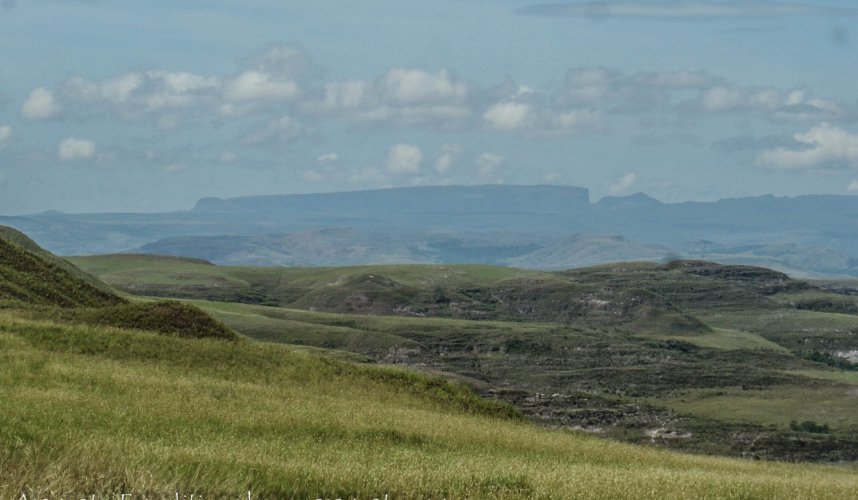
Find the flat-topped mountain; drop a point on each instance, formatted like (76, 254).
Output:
(539, 227)
(490, 200)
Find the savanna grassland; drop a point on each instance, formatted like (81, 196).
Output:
(693, 356)
(97, 410)
(103, 395)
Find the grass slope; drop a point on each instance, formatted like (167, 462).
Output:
(94, 410)
(43, 285)
(636, 351)
(31, 278)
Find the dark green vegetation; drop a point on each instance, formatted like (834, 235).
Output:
(39, 284)
(688, 355)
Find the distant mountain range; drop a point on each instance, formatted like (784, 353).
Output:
(545, 227)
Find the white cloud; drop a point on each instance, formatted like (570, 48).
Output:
(40, 105)
(793, 106)
(139, 93)
(445, 159)
(404, 159)
(822, 146)
(603, 90)
(279, 130)
(509, 116)
(416, 86)
(487, 163)
(227, 157)
(5, 135)
(623, 184)
(72, 149)
(348, 95)
(401, 96)
(328, 158)
(684, 9)
(257, 85)
(853, 186)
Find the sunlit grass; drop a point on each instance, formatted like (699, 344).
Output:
(94, 410)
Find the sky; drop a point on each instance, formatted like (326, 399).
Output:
(150, 105)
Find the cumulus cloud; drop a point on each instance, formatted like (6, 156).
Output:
(256, 85)
(602, 91)
(683, 9)
(279, 90)
(623, 184)
(540, 118)
(587, 96)
(488, 163)
(404, 159)
(5, 134)
(402, 95)
(268, 78)
(416, 86)
(72, 149)
(40, 105)
(823, 146)
(793, 106)
(445, 159)
(509, 116)
(140, 93)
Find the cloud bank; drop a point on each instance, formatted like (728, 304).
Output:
(823, 146)
(682, 10)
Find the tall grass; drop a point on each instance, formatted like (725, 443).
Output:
(92, 410)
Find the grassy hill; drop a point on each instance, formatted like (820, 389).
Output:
(640, 352)
(40, 285)
(30, 275)
(97, 400)
(96, 410)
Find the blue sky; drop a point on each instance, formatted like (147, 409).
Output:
(148, 106)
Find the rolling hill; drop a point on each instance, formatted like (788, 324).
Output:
(102, 408)
(661, 354)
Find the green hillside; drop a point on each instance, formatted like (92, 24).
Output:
(690, 355)
(146, 398)
(34, 278)
(41, 285)
(94, 410)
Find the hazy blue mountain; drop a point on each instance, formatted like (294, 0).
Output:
(527, 226)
